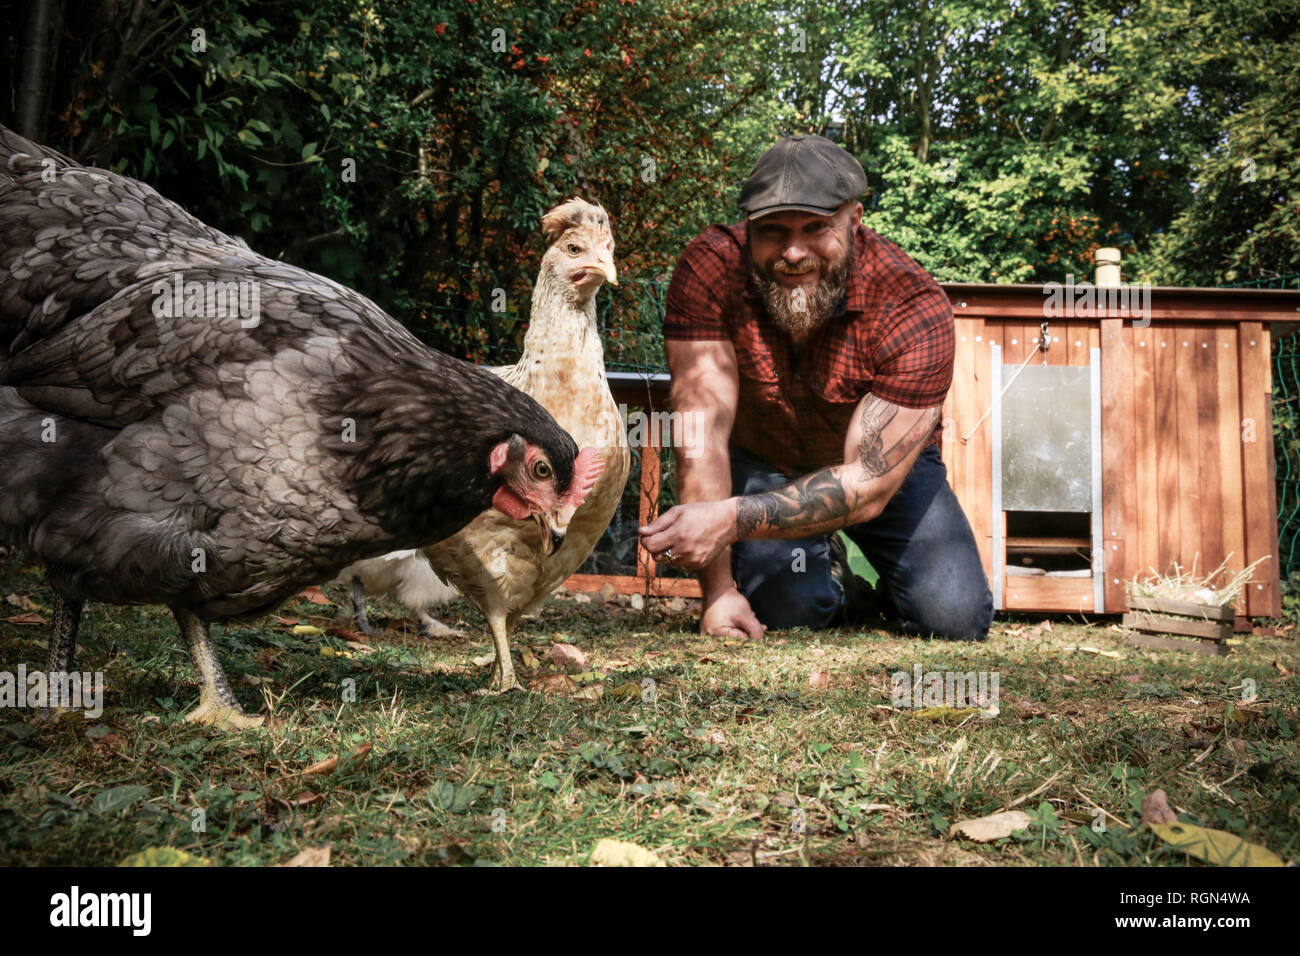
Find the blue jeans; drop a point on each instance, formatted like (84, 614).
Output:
(921, 544)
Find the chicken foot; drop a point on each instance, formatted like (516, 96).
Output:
(359, 607)
(63, 648)
(503, 677)
(217, 704)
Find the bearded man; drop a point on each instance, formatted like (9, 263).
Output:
(815, 357)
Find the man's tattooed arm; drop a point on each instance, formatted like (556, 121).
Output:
(845, 494)
(814, 500)
(876, 460)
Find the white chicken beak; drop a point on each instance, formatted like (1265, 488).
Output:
(607, 267)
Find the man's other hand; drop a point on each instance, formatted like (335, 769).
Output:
(692, 534)
(729, 615)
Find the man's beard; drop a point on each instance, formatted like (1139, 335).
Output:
(800, 311)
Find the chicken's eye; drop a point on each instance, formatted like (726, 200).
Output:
(573, 249)
(541, 471)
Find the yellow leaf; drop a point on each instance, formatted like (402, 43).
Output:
(620, 853)
(992, 827)
(530, 659)
(1215, 846)
(947, 715)
(163, 856)
(307, 629)
(330, 652)
(631, 691)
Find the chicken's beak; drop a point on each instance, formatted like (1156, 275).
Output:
(607, 267)
(552, 536)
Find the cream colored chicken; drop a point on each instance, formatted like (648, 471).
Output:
(499, 563)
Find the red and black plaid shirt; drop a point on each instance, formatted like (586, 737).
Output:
(894, 340)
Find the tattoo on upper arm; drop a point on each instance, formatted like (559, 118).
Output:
(810, 500)
(876, 459)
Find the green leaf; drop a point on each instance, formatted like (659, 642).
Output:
(308, 150)
(118, 798)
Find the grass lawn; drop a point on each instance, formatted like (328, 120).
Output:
(742, 758)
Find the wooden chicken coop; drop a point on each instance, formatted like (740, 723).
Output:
(1125, 447)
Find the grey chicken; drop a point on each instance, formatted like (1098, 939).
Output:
(186, 422)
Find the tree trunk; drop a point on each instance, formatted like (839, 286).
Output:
(40, 44)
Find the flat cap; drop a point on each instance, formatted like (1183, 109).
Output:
(806, 173)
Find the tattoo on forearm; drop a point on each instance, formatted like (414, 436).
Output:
(811, 500)
(876, 459)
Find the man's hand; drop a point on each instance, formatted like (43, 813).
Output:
(729, 615)
(694, 534)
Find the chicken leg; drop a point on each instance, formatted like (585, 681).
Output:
(217, 704)
(63, 647)
(503, 677)
(359, 607)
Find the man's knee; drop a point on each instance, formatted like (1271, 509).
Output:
(786, 599)
(958, 614)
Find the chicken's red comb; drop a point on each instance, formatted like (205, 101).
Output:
(586, 469)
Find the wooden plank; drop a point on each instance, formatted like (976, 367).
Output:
(965, 414)
(1117, 455)
(1209, 648)
(1165, 397)
(1232, 512)
(1041, 593)
(1055, 545)
(1207, 446)
(649, 509)
(1143, 558)
(1256, 476)
(981, 451)
(629, 584)
(1158, 624)
(1188, 608)
(1191, 505)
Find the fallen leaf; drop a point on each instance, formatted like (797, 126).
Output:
(591, 692)
(1236, 744)
(819, 680)
(1281, 669)
(314, 595)
(629, 691)
(1155, 808)
(330, 652)
(314, 856)
(993, 827)
(946, 715)
(1215, 846)
(22, 602)
(816, 651)
(331, 764)
(163, 856)
(346, 634)
(553, 684)
(1070, 679)
(1131, 678)
(304, 799)
(287, 621)
(566, 657)
(30, 618)
(529, 659)
(307, 630)
(620, 853)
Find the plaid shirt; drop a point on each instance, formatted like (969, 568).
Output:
(893, 338)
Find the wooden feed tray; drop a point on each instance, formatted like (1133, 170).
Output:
(1179, 625)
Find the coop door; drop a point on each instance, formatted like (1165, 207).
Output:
(1047, 478)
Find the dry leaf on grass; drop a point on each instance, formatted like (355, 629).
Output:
(1156, 809)
(566, 657)
(315, 595)
(620, 853)
(819, 680)
(554, 684)
(313, 856)
(22, 602)
(993, 827)
(30, 618)
(591, 692)
(330, 765)
(1215, 846)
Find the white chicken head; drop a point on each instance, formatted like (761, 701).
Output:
(581, 256)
